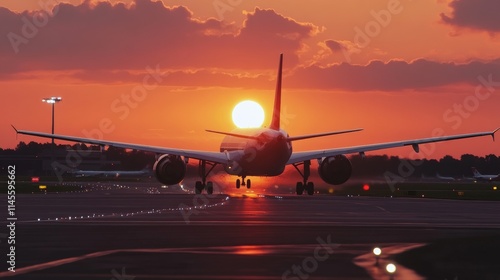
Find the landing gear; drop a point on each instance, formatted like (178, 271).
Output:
(242, 182)
(203, 184)
(299, 188)
(210, 187)
(198, 187)
(305, 185)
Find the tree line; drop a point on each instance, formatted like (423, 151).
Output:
(28, 155)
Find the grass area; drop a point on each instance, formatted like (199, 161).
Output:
(457, 258)
(479, 191)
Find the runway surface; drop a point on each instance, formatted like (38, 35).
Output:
(116, 232)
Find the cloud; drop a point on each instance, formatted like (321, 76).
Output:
(392, 76)
(475, 14)
(335, 46)
(104, 36)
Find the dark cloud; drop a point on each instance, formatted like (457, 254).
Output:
(104, 36)
(393, 76)
(475, 14)
(335, 46)
(376, 76)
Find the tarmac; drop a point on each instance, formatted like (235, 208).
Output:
(132, 231)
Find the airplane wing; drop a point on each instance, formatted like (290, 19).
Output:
(317, 154)
(215, 157)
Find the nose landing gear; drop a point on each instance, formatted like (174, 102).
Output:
(242, 182)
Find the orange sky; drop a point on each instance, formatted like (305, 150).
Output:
(421, 67)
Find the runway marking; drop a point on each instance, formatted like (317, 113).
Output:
(378, 207)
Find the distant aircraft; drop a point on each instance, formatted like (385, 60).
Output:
(446, 178)
(259, 152)
(437, 177)
(113, 173)
(480, 176)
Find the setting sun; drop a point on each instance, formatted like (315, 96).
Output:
(248, 114)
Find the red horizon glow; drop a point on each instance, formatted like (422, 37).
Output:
(159, 85)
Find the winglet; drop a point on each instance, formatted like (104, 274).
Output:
(14, 128)
(275, 122)
(493, 133)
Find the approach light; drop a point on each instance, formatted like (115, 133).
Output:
(377, 251)
(391, 268)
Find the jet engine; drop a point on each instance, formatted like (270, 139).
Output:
(335, 170)
(169, 169)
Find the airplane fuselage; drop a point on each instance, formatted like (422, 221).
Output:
(265, 154)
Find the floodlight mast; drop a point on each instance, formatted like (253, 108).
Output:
(52, 100)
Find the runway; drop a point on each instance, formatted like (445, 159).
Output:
(121, 232)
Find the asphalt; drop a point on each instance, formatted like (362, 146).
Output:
(110, 231)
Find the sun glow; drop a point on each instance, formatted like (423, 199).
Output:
(248, 114)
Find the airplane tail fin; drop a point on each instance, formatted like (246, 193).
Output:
(275, 122)
(475, 172)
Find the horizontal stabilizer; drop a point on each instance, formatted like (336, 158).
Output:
(322, 134)
(232, 134)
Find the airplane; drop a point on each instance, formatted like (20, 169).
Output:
(259, 152)
(480, 176)
(110, 173)
(446, 178)
(437, 177)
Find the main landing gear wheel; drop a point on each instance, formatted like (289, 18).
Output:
(249, 183)
(310, 188)
(203, 184)
(198, 187)
(299, 188)
(238, 183)
(210, 188)
(305, 185)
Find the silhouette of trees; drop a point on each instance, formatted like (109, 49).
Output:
(368, 166)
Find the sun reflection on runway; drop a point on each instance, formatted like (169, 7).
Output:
(250, 250)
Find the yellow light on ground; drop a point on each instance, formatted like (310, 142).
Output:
(42, 187)
(391, 268)
(494, 188)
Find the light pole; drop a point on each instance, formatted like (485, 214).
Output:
(53, 101)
